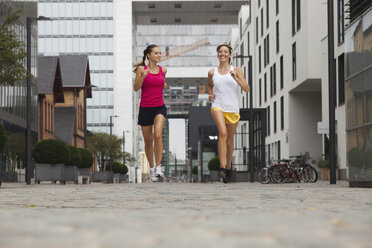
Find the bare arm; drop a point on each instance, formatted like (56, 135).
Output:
(140, 76)
(210, 85)
(165, 72)
(238, 75)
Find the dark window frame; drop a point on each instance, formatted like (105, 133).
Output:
(277, 37)
(298, 14)
(275, 116)
(265, 87)
(260, 92)
(281, 72)
(294, 63)
(340, 21)
(267, 14)
(341, 79)
(282, 113)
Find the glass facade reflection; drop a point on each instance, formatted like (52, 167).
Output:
(359, 100)
(84, 27)
(13, 98)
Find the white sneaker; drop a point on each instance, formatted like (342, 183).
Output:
(153, 177)
(158, 172)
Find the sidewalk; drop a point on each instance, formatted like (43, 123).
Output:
(185, 215)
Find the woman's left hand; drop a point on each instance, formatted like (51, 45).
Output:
(233, 74)
(165, 86)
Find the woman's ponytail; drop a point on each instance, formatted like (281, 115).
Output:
(145, 52)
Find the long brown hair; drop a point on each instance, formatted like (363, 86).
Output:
(145, 52)
(225, 45)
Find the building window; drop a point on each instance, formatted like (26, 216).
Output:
(260, 92)
(279, 150)
(298, 14)
(294, 74)
(274, 117)
(267, 13)
(262, 22)
(265, 63)
(271, 82)
(256, 30)
(281, 73)
(268, 120)
(282, 113)
(259, 3)
(277, 6)
(274, 78)
(248, 45)
(242, 54)
(267, 49)
(265, 87)
(240, 27)
(293, 17)
(341, 80)
(340, 21)
(259, 59)
(277, 37)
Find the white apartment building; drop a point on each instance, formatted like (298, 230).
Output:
(284, 40)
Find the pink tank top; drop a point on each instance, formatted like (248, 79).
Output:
(152, 89)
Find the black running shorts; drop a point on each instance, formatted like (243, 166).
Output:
(147, 115)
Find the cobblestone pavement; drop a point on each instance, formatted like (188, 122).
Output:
(185, 215)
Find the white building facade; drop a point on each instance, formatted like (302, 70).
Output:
(284, 40)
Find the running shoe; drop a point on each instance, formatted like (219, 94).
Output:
(153, 177)
(158, 172)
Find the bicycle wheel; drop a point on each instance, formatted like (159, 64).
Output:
(310, 174)
(280, 174)
(263, 176)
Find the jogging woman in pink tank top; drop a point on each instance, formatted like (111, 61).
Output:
(224, 82)
(150, 79)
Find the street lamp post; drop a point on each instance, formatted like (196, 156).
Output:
(331, 94)
(251, 141)
(112, 116)
(28, 95)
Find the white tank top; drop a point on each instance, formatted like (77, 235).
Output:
(225, 89)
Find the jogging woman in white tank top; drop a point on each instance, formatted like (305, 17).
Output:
(223, 85)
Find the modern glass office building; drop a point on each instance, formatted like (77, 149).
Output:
(13, 98)
(358, 84)
(84, 27)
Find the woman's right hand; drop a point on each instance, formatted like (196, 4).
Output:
(211, 98)
(144, 73)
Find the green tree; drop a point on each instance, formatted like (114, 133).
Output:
(12, 52)
(106, 147)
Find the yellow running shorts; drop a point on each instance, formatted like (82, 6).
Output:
(230, 118)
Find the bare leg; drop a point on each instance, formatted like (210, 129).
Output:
(149, 149)
(231, 128)
(159, 121)
(219, 118)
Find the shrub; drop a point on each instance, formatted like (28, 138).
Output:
(195, 170)
(118, 168)
(368, 159)
(51, 152)
(355, 157)
(3, 138)
(324, 163)
(75, 156)
(86, 160)
(214, 163)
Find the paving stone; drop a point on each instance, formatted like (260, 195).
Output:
(185, 215)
